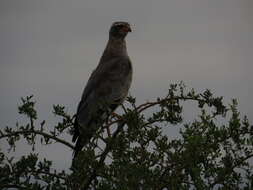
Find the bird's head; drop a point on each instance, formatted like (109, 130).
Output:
(120, 30)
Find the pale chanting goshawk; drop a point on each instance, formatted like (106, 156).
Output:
(106, 88)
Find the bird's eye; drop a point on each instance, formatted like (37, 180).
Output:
(120, 26)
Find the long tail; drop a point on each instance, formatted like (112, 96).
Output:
(93, 124)
(76, 138)
(80, 139)
(79, 146)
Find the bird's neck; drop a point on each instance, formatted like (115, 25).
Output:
(114, 48)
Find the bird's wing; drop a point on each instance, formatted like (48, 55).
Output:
(104, 85)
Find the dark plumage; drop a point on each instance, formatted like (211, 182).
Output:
(106, 88)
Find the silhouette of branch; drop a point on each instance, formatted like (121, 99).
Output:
(37, 132)
(107, 149)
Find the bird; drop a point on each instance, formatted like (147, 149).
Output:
(106, 88)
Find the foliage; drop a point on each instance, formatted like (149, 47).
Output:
(132, 151)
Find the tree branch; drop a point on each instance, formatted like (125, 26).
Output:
(221, 178)
(38, 133)
(147, 105)
(12, 186)
(87, 183)
(49, 174)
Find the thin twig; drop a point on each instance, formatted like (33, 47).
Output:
(147, 105)
(87, 182)
(38, 133)
(7, 186)
(221, 178)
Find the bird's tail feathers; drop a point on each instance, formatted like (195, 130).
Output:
(80, 143)
(82, 138)
(76, 131)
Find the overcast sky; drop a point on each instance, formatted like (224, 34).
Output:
(49, 48)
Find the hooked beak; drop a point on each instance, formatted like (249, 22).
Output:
(127, 29)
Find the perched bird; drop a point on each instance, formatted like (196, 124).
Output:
(106, 88)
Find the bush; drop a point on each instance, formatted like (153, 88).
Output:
(131, 151)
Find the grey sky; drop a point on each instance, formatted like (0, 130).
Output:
(49, 48)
